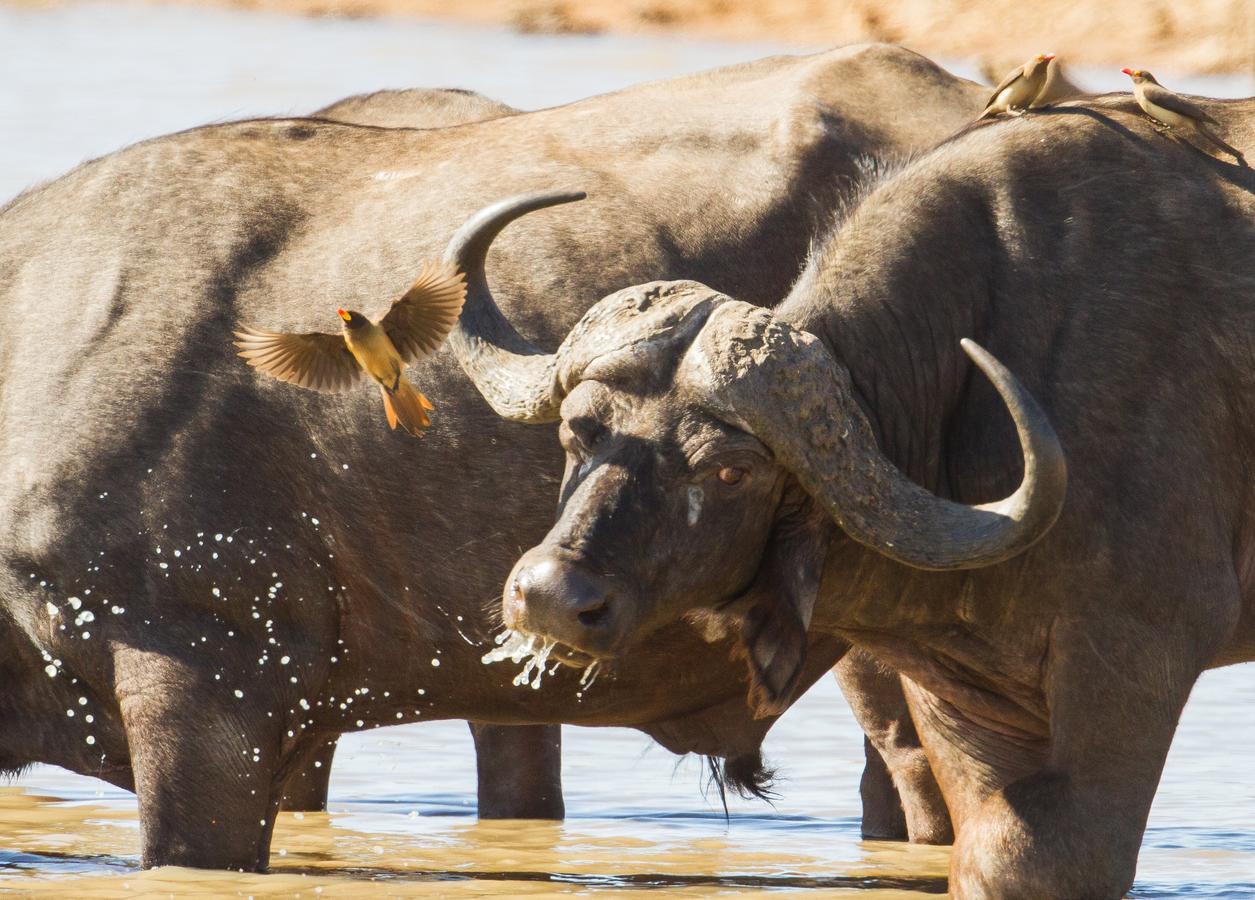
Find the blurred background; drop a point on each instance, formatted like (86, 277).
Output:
(82, 79)
(79, 80)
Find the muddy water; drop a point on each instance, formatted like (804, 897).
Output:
(79, 81)
(402, 819)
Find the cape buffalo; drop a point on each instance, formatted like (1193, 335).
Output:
(836, 463)
(519, 767)
(215, 573)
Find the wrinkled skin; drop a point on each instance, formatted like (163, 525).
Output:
(128, 425)
(1110, 270)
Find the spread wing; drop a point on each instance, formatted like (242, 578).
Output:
(419, 322)
(1005, 83)
(315, 360)
(1161, 96)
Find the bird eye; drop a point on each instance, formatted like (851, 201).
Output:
(731, 474)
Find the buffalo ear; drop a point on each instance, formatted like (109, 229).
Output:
(773, 632)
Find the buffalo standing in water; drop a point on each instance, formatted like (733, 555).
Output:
(815, 466)
(519, 767)
(231, 572)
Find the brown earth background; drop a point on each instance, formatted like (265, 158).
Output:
(1189, 36)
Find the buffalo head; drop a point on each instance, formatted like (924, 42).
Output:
(712, 450)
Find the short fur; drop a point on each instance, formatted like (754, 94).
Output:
(131, 272)
(1112, 274)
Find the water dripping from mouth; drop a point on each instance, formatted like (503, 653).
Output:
(517, 647)
(590, 674)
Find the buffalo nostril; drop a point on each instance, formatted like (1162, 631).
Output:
(550, 596)
(592, 615)
(515, 601)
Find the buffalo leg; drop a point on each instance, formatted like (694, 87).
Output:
(306, 788)
(883, 816)
(901, 799)
(520, 771)
(1065, 818)
(204, 760)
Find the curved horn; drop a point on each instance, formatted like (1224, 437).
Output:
(516, 378)
(785, 387)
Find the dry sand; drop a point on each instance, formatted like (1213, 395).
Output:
(1197, 36)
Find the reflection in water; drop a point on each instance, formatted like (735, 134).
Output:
(95, 78)
(402, 819)
(317, 855)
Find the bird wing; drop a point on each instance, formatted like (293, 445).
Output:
(1004, 84)
(1161, 96)
(419, 322)
(315, 360)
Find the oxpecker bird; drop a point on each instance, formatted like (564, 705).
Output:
(1174, 111)
(1057, 86)
(1016, 93)
(415, 326)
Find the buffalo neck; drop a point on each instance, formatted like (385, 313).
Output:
(909, 273)
(890, 299)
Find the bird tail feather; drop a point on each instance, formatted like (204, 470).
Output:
(1218, 142)
(387, 408)
(407, 407)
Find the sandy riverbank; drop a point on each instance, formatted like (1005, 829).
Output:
(1197, 36)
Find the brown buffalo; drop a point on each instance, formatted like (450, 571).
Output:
(845, 462)
(226, 572)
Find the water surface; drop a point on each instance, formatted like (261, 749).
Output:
(402, 813)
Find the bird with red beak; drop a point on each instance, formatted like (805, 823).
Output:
(1173, 112)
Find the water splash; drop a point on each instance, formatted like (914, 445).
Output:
(590, 674)
(517, 647)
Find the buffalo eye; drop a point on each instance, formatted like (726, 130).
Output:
(585, 433)
(731, 474)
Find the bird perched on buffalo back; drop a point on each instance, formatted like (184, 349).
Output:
(415, 326)
(1174, 111)
(1056, 87)
(1018, 91)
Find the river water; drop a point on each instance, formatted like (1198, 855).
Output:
(79, 81)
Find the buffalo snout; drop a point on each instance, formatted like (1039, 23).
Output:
(556, 597)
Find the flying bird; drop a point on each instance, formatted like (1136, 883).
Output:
(415, 326)
(1016, 93)
(1174, 111)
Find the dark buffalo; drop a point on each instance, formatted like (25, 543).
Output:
(224, 573)
(519, 767)
(836, 464)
